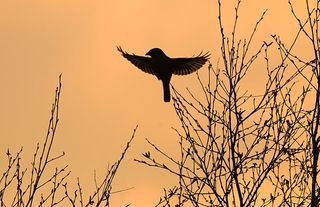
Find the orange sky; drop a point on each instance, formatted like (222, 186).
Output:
(104, 97)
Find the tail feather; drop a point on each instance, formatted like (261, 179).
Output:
(166, 91)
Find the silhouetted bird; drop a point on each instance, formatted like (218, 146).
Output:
(162, 66)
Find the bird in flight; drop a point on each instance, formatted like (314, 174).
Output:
(162, 66)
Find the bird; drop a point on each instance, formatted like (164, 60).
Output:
(157, 63)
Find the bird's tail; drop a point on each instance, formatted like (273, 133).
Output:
(166, 91)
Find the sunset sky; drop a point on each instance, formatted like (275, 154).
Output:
(104, 96)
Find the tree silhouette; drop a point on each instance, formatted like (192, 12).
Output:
(41, 187)
(238, 148)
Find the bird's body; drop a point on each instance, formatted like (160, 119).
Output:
(162, 66)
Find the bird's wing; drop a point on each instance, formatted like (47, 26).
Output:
(143, 63)
(185, 66)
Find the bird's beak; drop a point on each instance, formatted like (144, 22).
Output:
(147, 53)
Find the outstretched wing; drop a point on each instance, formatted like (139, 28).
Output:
(143, 63)
(185, 66)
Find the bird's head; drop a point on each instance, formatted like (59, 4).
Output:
(155, 52)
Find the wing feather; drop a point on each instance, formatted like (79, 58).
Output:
(185, 66)
(141, 62)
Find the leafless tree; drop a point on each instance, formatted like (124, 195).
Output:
(238, 148)
(46, 184)
(301, 185)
